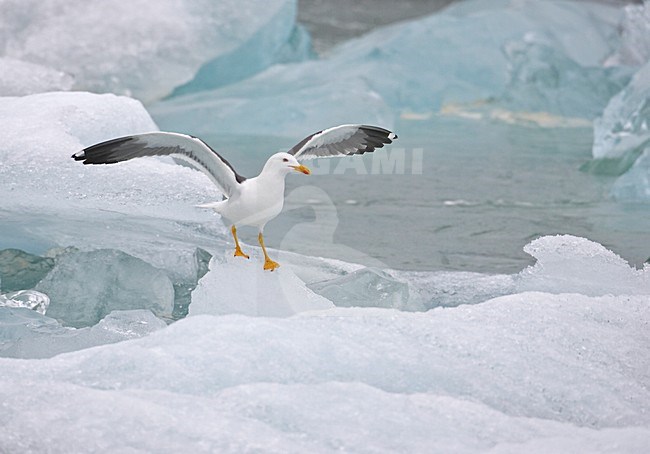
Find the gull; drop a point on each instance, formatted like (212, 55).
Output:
(247, 201)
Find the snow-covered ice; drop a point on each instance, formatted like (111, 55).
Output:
(19, 78)
(569, 264)
(238, 286)
(467, 379)
(140, 48)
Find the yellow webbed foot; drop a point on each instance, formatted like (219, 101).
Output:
(239, 253)
(270, 265)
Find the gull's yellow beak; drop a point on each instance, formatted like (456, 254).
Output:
(302, 169)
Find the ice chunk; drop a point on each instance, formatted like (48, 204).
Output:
(29, 299)
(86, 286)
(367, 287)
(634, 185)
(623, 131)
(34, 337)
(569, 264)
(455, 56)
(21, 270)
(19, 78)
(141, 48)
(237, 286)
(21, 322)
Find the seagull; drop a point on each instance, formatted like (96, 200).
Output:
(247, 201)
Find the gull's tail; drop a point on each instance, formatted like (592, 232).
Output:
(216, 206)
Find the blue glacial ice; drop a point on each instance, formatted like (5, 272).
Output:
(621, 133)
(141, 48)
(623, 128)
(84, 287)
(28, 334)
(622, 137)
(634, 185)
(458, 56)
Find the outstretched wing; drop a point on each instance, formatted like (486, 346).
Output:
(344, 140)
(181, 146)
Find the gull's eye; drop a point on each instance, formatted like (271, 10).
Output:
(285, 160)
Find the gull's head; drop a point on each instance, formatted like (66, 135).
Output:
(285, 163)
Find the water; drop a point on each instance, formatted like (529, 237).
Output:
(485, 190)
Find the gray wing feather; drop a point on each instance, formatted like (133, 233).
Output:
(181, 146)
(344, 140)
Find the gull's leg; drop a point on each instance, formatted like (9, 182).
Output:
(238, 251)
(268, 263)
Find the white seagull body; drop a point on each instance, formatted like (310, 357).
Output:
(253, 201)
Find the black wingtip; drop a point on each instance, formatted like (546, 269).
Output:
(79, 156)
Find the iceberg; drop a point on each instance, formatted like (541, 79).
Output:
(621, 133)
(143, 49)
(84, 287)
(634, 185)
(455, 56)
(623, 129)
(543, 78)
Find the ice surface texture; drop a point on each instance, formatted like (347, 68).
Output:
(456, 56)
(569, 264)
(237, 286)
(27, 334)
(624, 126)
(367, 287)
(622, 135)
(465, 379)
(141, 48)
(86, 286)
(29, 299)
